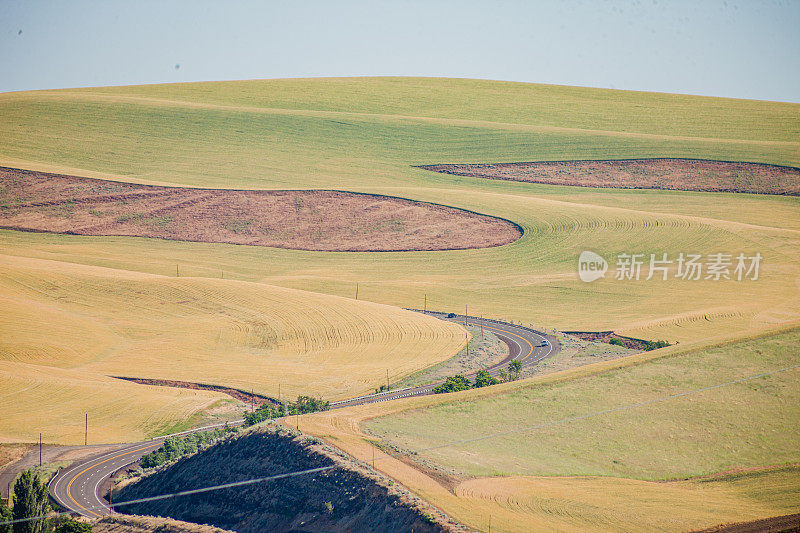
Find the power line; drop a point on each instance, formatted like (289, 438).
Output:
(182, 493)
(436, 447)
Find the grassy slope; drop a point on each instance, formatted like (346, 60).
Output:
(752, 423)
(105, 322)
(741, 425)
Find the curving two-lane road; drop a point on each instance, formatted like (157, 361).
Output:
(525, 345)
(78, 487)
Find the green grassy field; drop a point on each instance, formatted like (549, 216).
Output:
(726, 454)
(748, 424)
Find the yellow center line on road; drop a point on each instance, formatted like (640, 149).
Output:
(518, 336)
(69, 485)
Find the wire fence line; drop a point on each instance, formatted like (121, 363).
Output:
(429, 448)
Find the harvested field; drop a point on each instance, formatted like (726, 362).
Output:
(664, 173)
(300, 219)
(66, 328)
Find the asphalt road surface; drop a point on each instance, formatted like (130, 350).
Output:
(525, 345)
(78, 487)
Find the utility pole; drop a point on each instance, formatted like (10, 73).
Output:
(86, 431)
(465, 315)
(356, 291)
(425, 305)
(40, 449)
(177, 273)
(111, 499)
(387, 380)
(481, 326)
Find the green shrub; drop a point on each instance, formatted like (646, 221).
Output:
(66, 524)
(484, 379)
(454, 384)
(655, 345)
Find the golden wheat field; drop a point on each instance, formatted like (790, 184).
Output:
(66, 327)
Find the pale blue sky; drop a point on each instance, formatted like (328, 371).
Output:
(744, 49)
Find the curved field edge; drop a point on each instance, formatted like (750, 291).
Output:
(322, 220)
(654, 173)
(343, 429)
(250, 135)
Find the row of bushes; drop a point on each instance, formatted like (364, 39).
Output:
(460, 382)
(175, 447)
(303, 405)
(647, 345)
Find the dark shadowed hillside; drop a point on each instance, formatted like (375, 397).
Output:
(348, 497)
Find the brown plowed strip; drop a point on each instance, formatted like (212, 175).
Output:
(242, 396)
(301, 220)
(783, 524)
(606, 336)
(669, 174)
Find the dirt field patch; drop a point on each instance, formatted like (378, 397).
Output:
(669, 174)
(778, 524)
(249, 398)
(303, 219)
(606, 337)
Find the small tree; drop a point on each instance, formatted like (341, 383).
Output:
(483, 379)
(514, 368)
(30, 499)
